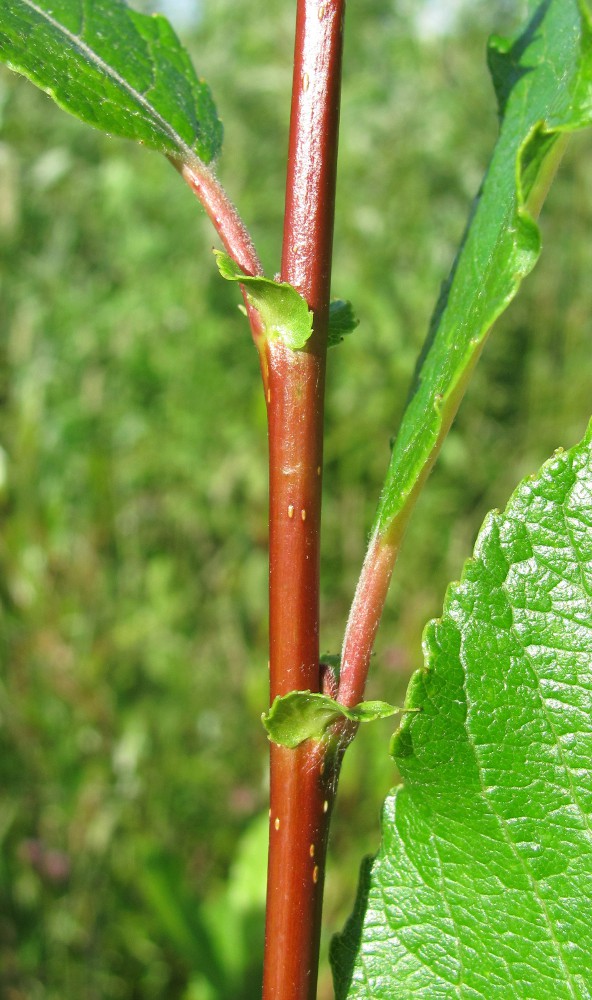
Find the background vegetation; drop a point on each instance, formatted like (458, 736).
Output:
(133, 486)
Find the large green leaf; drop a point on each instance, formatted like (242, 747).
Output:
(483, 884)
(543, 81)
(114, 68)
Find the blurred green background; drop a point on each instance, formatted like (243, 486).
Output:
(133, 483)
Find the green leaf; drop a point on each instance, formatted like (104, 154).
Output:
(284, 313)
(302, 715)
(121, 71)
(543, 81)
(341, 321)
(483, 884)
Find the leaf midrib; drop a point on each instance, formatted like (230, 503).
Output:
(109, 71)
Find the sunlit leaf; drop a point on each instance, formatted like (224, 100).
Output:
(117, 69)
(543, 80)
(483, 883)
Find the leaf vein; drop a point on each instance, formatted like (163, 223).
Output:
(94, 58)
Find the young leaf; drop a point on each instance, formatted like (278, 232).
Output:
(483, 884)
(341, 321)
(121, 71)
(543, 81)
(284, 313)
(302, 715)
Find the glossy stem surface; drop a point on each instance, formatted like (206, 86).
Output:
(295, 400)
(303, 783)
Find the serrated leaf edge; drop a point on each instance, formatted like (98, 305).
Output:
(492, 518)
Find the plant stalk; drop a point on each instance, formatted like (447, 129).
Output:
(222, 213)
(235, 238)
(364, 619)
(377, 570)
(302, 780)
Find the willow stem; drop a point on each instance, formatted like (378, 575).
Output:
(302, 780)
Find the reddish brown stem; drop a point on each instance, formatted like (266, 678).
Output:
(295, 397)
(302, 788)
(312, 157)
(295, 411)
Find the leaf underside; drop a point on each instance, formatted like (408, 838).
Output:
(123, 72)
(482, 887)
(543, 81)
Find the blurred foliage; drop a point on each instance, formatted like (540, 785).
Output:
(133, 487)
